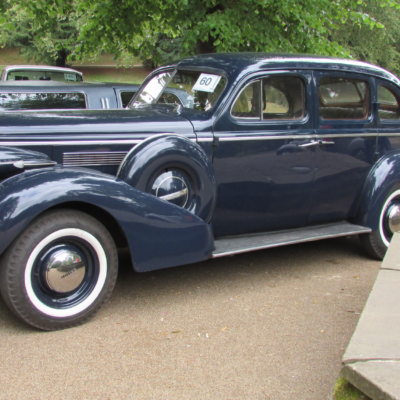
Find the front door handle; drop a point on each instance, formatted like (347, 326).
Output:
(309, 144)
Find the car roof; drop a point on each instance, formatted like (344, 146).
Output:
(40, 67)
(237, 64)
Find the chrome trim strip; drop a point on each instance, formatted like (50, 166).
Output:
(102, 102)
(388, 134)
(201, 140)
(300, 136)
(71, 142)
(107, 103)
(275, 137)
(9, 162)
(40, 164)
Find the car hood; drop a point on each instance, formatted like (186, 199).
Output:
(151, 120)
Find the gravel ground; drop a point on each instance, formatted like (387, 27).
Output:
(271, 324)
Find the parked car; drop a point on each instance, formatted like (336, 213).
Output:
(36, 95)
(272, 149)
(40, 73)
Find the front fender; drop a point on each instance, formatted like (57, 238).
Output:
(380, 182)
(159, 234)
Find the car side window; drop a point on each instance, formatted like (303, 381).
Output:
(283, 98)
(247, 104)
(389, 105)
(41, 101)
(343, 98)
(126, 98)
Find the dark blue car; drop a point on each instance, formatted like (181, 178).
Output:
(267, 150)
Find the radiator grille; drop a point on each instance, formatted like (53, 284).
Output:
(92, 158)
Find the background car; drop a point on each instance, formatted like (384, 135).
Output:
(38, 95)
(40, 73)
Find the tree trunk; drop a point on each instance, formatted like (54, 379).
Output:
(205, 47)
(61, 58)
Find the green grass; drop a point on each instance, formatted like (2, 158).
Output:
(344, 390)
(110, 74)
(103, 70)
(113, 74)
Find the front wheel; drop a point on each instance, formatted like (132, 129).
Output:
(377, 242)
(60, 270)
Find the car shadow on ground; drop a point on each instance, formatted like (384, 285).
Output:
(172, 285)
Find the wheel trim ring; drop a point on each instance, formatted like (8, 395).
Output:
(383, 215)
(68, 312)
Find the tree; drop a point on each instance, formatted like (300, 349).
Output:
(53, 46)
(382, 46)
(208, 25)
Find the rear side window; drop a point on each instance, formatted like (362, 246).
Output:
(41, 101)
(283, 98)
(389, 108)
(343, 98)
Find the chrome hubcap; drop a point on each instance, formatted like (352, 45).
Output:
(393, 216)
(172, 186)
(65, 271)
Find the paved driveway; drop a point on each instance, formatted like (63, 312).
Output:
(271, 325)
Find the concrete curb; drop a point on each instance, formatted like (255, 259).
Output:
(372, 358)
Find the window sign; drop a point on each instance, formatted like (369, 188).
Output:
(70, 77)
(207, 83)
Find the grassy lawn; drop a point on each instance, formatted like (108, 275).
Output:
(103, 70)
(113, 74)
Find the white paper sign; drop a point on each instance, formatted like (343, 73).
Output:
(70, 77)
(207, 83)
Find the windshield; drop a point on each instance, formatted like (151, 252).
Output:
(192, 89)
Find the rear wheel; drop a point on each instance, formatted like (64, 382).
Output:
(377, 242)
(60, 270)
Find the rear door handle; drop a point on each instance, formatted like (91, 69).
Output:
(323, 143)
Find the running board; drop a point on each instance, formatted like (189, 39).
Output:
(258, 241)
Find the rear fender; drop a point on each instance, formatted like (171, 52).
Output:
(159, 234)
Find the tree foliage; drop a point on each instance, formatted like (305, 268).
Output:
(161, 30)
(380, 46)
(18, 28)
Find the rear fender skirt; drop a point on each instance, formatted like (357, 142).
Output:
(159, 234)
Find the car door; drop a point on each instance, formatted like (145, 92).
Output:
(264, 160)
(347, 134)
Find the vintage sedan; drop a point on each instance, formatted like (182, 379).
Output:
(35, 95)
(272, 149)
(40, 73)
